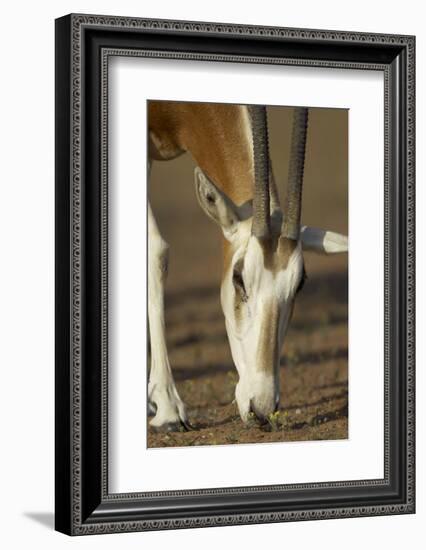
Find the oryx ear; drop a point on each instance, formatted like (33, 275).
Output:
(323, 242)
(216, 204)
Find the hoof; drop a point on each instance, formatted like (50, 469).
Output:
(152, 409)
(178, 426)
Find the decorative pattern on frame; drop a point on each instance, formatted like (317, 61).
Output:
(78, 23)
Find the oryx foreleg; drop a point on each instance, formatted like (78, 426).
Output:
(162, 393)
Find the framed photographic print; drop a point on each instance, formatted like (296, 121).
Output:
(234, 274)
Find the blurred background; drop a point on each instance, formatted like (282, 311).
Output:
(314, 369)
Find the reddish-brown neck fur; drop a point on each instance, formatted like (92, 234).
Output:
(217, 136)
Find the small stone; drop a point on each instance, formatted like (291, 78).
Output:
(298, 411)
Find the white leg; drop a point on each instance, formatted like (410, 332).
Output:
(162, 392)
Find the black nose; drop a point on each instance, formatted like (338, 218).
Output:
(253, 409)
(260, 416)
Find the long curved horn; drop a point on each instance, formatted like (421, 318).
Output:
(293, 202)
(261, 224)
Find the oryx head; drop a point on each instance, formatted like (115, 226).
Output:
(264, 269)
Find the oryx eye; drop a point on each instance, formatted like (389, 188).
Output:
(302, 281)
(238, 282)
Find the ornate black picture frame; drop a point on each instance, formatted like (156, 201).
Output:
(83, 45)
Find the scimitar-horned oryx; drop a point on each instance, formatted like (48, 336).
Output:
(263, 266)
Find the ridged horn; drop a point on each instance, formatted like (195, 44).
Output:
(261, 224)
(293, 202)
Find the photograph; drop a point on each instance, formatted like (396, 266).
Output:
(247, 273)
(234, 267)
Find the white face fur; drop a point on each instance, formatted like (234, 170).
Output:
(257, 303)
(257, 295)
